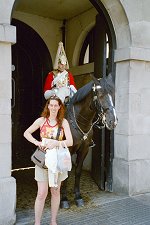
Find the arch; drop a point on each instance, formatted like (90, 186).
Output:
(103, 26)
(115, 15)
(79, 43)
(5, 11)
(115, 11)
(118, 19)
(124, 34)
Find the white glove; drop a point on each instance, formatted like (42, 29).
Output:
(62, 93)
(49, 93)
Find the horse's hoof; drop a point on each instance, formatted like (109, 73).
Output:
(79, 202)
(64, 205)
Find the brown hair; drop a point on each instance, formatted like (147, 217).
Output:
(61, 112)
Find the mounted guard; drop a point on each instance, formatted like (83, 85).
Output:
(92, 101)
(60, 81)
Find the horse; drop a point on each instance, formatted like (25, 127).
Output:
(91, 100)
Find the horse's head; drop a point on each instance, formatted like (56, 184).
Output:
(102, 98)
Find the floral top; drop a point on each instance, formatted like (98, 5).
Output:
(48, 131)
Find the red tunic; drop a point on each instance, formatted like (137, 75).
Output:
(50, 78)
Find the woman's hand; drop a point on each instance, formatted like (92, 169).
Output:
(52, 144)
(38, 143)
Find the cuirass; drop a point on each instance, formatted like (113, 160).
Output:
(63, 81)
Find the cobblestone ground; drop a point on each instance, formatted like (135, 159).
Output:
(101, 208)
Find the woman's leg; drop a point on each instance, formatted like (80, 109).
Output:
(55, 202)
(40, 200)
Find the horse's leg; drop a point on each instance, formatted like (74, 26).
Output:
(64, 203)
(81, 154)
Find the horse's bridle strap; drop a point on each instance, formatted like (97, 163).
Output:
(85, 135)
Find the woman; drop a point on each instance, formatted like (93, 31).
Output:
(51, 118)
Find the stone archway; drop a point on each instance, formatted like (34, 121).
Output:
(79, 43)
(132, 57)
(123, 29)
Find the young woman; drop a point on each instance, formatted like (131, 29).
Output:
(51, 118)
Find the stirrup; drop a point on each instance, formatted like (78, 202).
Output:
(92, 144)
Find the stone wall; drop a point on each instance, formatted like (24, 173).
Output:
(131, 22)
(131, 158)
(7, 183)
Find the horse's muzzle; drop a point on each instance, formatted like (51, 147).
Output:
(112, 124)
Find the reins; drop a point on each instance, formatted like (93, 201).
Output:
(100, 115)
(85, 135)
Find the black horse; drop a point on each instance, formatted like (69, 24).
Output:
(92, 99)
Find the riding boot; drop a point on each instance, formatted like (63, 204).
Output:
(67, 101)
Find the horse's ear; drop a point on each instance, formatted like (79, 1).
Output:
(94, 78)
(106, 83)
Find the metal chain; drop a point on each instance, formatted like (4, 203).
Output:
(85, 135)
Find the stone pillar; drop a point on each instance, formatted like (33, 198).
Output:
(7, 183)
(131, 165)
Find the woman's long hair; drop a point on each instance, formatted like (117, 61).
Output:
(61, 111)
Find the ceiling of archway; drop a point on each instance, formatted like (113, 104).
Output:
(56, 9)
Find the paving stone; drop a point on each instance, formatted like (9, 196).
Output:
(101, 208)
(122, 212)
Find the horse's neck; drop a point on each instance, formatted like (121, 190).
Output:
(84, 115)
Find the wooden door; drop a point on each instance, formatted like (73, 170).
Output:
(32, 62)
(102, 154)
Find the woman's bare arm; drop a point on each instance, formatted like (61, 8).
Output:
(35, 126)
(69, 139)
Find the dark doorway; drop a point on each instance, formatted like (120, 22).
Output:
(102, 154)
(99, 46)
(32, 62)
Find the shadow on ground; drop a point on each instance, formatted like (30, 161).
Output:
(27, 188)
(104, 207)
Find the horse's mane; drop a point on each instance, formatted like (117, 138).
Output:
(82, 93)
(106, 83)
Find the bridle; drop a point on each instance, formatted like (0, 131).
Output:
(100, 114)
(85, 134)
(97, 105)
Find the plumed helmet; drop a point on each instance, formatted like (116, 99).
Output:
(61, 57)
